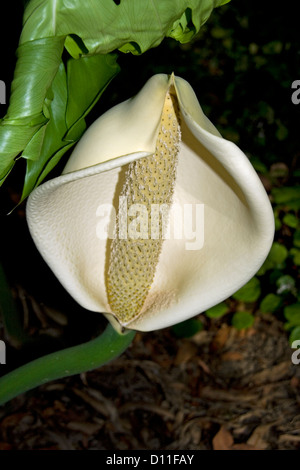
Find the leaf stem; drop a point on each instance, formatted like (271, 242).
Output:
(64, 363)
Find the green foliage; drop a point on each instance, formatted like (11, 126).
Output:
(295, 253)
(296, 239)
(270, 303)
(286, 284)
(278, 275)
(66, 110)
(53, 119)
(295, 334)
(74, 360)
(187, 328)
(135, 26)
(275, 285)
(278, 254)
(217, 311)
(242, 320)
(291, 220)
(292, 315)
(287, 196)
(52, 94)
(275, 259)
(249, 292)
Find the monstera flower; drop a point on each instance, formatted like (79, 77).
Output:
(156, 217)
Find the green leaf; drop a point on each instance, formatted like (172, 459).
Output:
(296, 255)
(282, 131)
(285, 284)
(288, 196)
(292, 314)
(187, 328)
(33, 77)
(145, 23)
(75, 46)
(294, 335)
(242, 320)
(275, 259)
(273, 47)
(36, 68)
(217, 311)
(97, 71)
(296, 239)
(67, 110)
(183, 29)
(89, 31)
(291, 220)
(270, 303)
(53, 132)
(249, 292)
(278, 254)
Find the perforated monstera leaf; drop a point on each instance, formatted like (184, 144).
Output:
(51, 97)
(101, 26)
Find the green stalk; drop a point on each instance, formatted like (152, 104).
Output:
(70, 361)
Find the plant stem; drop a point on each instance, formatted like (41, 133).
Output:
(70, 361)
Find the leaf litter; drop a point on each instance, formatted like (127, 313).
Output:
(221, 389)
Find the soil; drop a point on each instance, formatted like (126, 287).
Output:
(220, 389)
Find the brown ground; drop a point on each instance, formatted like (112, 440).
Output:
(221, 389)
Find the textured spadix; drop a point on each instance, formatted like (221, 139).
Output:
(151, 283)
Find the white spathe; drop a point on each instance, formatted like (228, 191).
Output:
(63, 213)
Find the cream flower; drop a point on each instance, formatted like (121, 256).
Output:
(156, 217)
